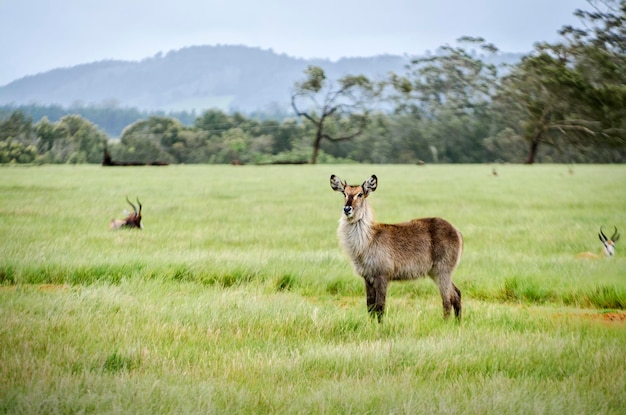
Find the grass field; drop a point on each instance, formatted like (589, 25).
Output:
(235, 298)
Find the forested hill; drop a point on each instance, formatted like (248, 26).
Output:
(200, 77)
(226, 77)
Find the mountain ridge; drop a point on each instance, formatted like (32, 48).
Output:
(228, 77)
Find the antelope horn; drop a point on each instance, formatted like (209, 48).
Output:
(615, 235)
(131, 203)
(139, 203)
(602, 236)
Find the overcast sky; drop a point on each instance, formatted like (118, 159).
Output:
(36, 35)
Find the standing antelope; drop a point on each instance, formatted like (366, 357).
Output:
(608, 245)
(384, 252)
(133, 219)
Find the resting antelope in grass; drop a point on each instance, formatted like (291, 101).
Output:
(385, 252)
(608, 246)
(133, 219)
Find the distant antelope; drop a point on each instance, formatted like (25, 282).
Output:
(608, 245)
(133, 219)
(384, 252)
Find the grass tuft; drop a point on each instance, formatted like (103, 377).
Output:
(7, 275)
(286, 282)
(607, 297)
(117, 362)
(525, 290)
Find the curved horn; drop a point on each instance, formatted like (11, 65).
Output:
(139, 203)
(602, 236)
(615, 235)
(131, 203)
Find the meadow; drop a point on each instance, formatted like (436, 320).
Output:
(235, 297)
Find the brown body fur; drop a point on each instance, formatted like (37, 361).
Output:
(385, 252)
(133, 220)
(130, 222)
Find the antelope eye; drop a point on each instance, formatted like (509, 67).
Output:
(359, 194)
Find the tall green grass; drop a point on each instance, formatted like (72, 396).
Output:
(223, 225)
(163, 347)
(236, 298)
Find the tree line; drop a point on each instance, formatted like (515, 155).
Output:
(564, 102)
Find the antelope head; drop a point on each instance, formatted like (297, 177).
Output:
(609, 243)
(355, 207)
(132, 220)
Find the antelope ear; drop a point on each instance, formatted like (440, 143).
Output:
(370, 184)
(336, 184)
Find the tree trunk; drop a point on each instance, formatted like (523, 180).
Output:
(316, 144)
(534, 144)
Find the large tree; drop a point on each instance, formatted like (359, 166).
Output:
(84, 141)
(338, 111)
(572, 93)
(149, 140)
(449, 93)
(16, 139)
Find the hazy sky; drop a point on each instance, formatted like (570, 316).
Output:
(36, 35)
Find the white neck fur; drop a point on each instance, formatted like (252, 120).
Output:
(355, 235)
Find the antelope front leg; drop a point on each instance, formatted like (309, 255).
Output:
(376, 292)
(370, 293)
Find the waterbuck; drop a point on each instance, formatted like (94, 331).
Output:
(132, 220)
(404, 251)
(608, 245)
